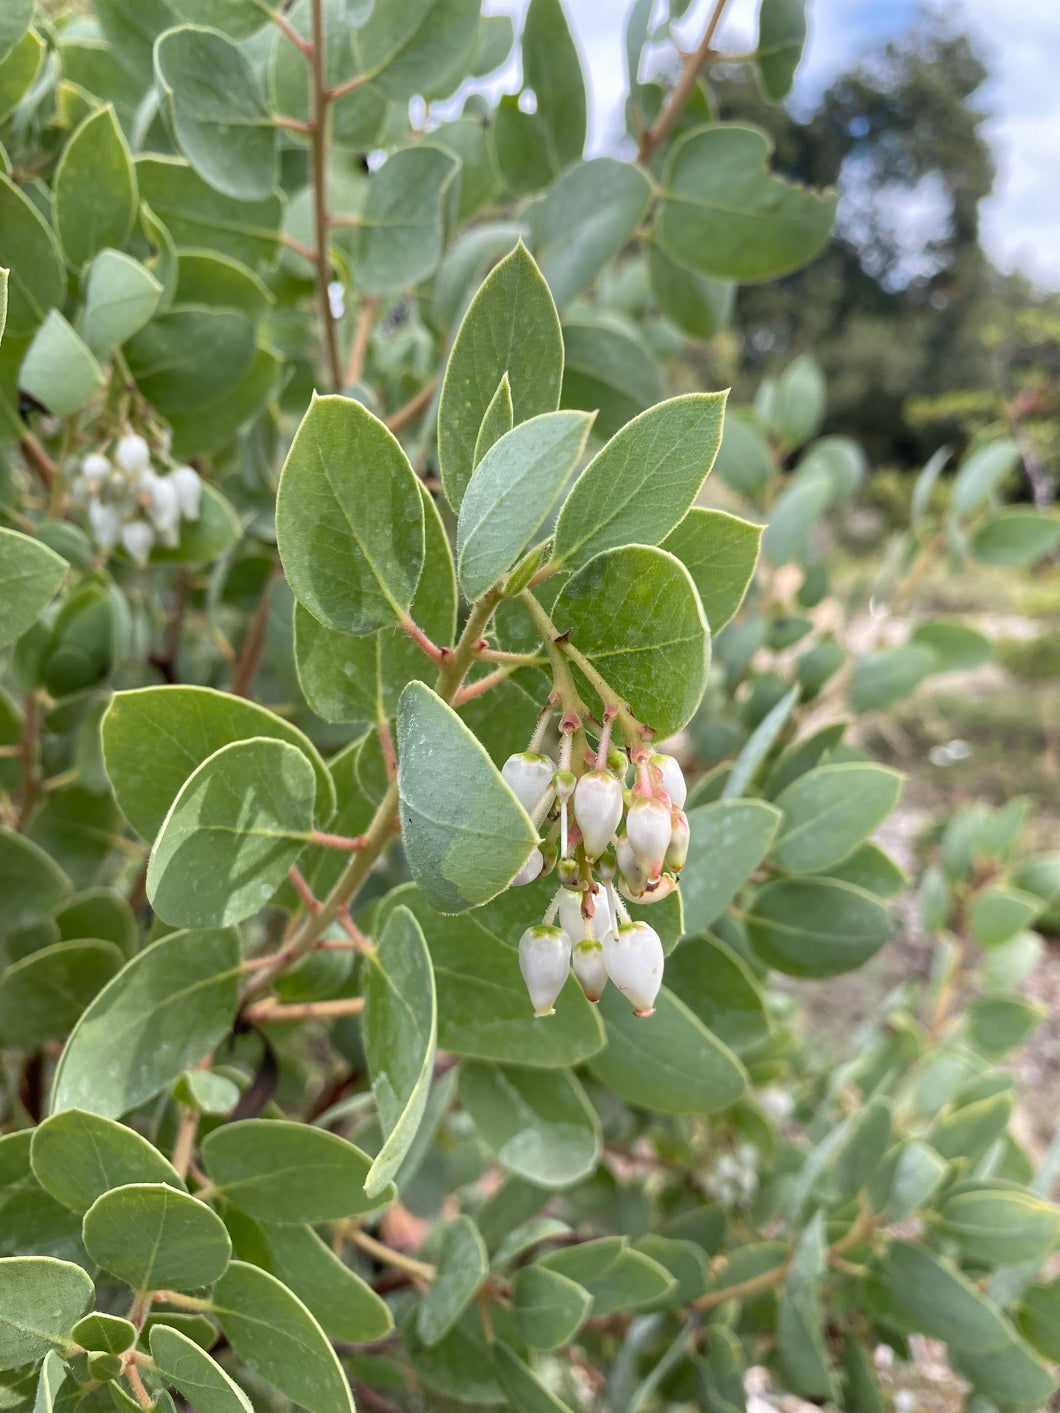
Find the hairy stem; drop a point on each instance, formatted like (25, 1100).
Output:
(362, 332)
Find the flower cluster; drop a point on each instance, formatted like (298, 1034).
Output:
(129, 503)
(732, 1180)
(588, 928)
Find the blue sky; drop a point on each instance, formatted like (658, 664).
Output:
(1021, 221)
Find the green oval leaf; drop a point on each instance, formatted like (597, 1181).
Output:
(816, 927)
(930, 1295)
(829, 811)
(199, 217)
(728, 840)
(278, 1171)
(31, 883)
(460, 1270)
(196, 1376)
(465, 834)
(635, 614)
(348, 678)
(349, 520)
(981, 473)
(191, 358)
(668, 1062)
(59, 370)
(483, 1008)
(150, 1235)
(41, 1300)
(725, 214)
(164, 1010)
(609, 371)
(717, 986)
(399, 236)
(154, 738)
(511, 326)
(232, 834)
(720, 551)
(400, 1030)
(78, 1156)
(95, 195)
(538, 1123)
(549, 1307)
(346, 1306)
(30, 577)
(120, 297)
(584, 221)
(42, 995)
(511, 492)
(273, 1332)
(641, 485)
(1016, 537)
(37, 279)
(219, 115)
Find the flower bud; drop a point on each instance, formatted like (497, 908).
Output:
(132, 454)
(95, 469)
(606, 867)
(565, 782)
(648, 829)
(137, 538)
(544, 960)
(569, 874)
(679, 840)
(632, 882)
(634, 961)
(163, 506)
(572, 921)
(189, 491)
(672, 778)
(655, 892)
(587, 960)
(105, 523)
(529, 778)
(530, 870)
(597, 810)
(618, 763)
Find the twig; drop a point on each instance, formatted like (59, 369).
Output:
(682, 90)
(299, 247)
(422, 1270)
(362, 333)
(250, 654)
(319, 158)
(38, 458)
(29, 752)
(410, 410)
(350, 844)
(292, 34)
(274, 1012)
(419, 637)
(310, 901)
(341, 89)
(484, 684)
(184, 1145)
(143, 1398)
(386, 742)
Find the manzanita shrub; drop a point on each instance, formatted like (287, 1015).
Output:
(386, 1001)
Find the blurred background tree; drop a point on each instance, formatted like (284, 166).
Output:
(920, 336)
